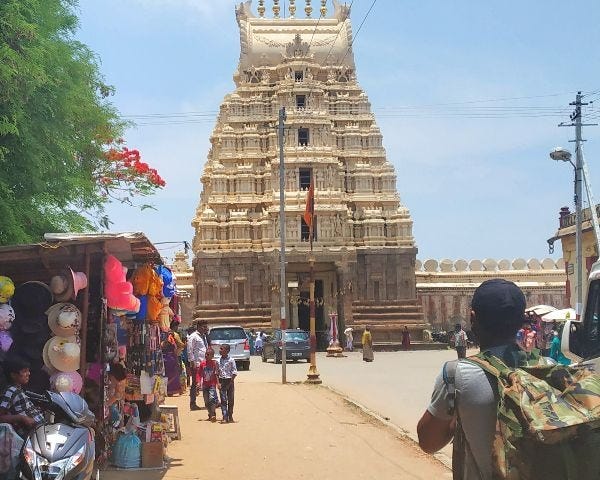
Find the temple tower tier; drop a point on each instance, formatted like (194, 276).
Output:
(362, 237)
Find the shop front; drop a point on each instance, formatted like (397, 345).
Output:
(92, 314)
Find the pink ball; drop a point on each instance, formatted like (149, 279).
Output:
(66, 382)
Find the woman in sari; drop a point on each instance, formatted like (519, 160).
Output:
(367, 345)
(171, 348)
(405, 339)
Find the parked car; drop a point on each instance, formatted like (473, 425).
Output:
(297, 345)
(236, 337)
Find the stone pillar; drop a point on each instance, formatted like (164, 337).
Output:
(294, 297)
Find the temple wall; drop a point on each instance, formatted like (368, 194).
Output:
(445, 287)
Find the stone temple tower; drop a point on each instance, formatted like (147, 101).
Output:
(362, 240)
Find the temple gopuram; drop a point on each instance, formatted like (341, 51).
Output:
(363, 244)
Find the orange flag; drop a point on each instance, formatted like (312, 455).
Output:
(309, 211)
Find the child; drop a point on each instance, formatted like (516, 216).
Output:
(227, 374)
(207, 373)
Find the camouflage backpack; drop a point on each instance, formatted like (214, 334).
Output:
(548, 423)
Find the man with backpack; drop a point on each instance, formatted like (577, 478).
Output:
(509, 421)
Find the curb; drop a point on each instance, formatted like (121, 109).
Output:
(404, 434)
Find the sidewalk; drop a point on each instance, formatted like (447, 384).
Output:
(293, 431)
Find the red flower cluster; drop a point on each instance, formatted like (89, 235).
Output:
(127, 166)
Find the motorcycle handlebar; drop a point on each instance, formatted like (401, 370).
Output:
(36, 397)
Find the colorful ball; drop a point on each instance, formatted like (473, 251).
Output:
(7, 316)
(7, 289)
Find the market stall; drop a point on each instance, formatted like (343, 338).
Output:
(91, 313)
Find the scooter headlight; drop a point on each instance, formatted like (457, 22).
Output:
(76, 458)
(65, 465)
(34, 460)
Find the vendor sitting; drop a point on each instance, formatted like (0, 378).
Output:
(117, 381)
(15, 407)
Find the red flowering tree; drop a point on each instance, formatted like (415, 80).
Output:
(57, 169)
(124, 176)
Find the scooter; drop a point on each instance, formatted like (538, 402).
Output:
(63, 448)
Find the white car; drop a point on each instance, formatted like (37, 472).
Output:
(235, 336)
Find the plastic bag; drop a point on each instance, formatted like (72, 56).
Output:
(10, 447)
(127, 451)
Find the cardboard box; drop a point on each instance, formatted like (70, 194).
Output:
(152, 455)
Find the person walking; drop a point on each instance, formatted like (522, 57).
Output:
(367, 345)
(207, 376)
(464, 404)
(349, 338)
(258, 343)
(227, 374)
(196, 348)
(251, 340)
(460, 341)
(556, 352)
(405, 338)
(171, 348)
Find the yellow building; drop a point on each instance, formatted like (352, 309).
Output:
(589, 249)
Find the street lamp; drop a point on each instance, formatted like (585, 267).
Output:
(561, 155)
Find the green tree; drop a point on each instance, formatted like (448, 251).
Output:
(58, 166)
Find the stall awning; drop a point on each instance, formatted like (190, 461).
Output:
(34, 261)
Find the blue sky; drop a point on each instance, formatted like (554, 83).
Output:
(473, 170)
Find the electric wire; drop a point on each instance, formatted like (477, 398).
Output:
(357, 32)
(308, 96)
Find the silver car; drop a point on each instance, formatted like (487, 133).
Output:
(235, 336)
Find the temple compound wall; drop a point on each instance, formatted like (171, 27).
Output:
(445, 287)
(363, 247)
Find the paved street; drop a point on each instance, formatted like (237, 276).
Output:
(288, 432)
(397, 385)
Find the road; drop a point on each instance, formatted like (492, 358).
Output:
(397, 385)
(290, 432)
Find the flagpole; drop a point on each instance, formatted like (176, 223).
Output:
(282, 225)
(313, 374)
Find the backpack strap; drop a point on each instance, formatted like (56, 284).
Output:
(449, 375)
(460, 444)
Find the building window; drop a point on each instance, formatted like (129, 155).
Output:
(305, 231)
(305, 174)
(303, 137)
(300, 101)
(299, 75)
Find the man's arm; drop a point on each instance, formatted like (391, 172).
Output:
(434, 433)
(436, 427)
(15, 420)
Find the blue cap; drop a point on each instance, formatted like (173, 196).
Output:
(498, 297)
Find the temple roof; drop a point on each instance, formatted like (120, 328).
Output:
(268, 42)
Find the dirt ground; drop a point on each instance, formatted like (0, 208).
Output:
(292, 431)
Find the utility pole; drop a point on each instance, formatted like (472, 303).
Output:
(282, 224)
(576, 122)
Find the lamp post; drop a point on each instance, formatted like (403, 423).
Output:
(561, 155)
